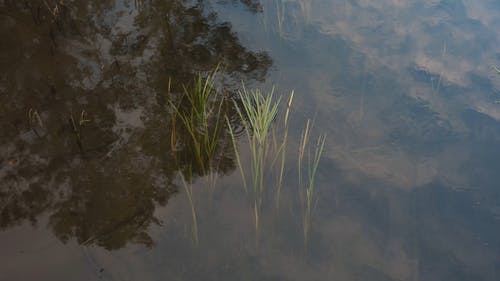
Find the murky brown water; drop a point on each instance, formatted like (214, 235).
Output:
(90, 158)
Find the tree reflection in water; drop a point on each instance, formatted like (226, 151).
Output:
(85, 113)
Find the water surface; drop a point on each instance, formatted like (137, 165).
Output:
(406, 92)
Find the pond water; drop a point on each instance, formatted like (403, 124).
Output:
(98, 183)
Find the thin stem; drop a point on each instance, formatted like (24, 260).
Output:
(189, 193)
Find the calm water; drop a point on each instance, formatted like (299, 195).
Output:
(406, 91)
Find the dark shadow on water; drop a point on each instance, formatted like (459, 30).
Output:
(85, 115)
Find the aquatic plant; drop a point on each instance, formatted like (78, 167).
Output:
(280, 15)
(437, 88)
(282, 151)
(257, 112)
(284, 18)
(268, 151)
(312, 162)
(34, 119)
(237, 155)
(55, 11)
(496, 69)
(77, 127)
(188, 188)
(200, 114)
(201, 119)
(203, 122)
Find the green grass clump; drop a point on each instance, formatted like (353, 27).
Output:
(268, 152)
(200, 114)
(206, 123)
(257, 112)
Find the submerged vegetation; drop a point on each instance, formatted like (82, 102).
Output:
(209, 121)
(286, 19)
(311, 163)
(199, 113)
(257, 113)
(188, 188)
